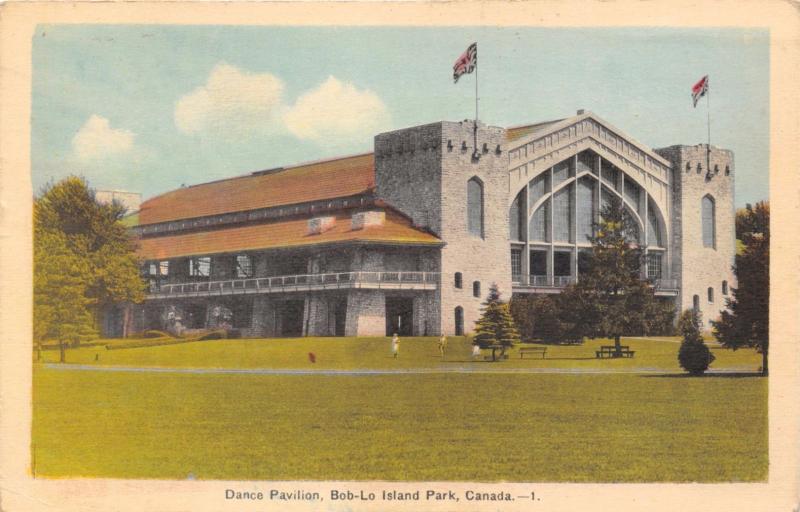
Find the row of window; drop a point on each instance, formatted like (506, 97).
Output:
(458, 282)
(710, 295)
(562, 263)
(200, 266)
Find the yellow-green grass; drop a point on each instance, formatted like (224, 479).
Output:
(486, 427)
(349, 353)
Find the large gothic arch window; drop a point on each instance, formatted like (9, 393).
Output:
(709, 221)
(475, 207)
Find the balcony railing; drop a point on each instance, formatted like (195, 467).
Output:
(664, 286)
(301, 282)
(539, 281)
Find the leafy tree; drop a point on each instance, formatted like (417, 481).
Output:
(83, 252)
(612, 299)
(539, 318)
(60, 304)
(496, 326)
(693, 355)
(745, 323)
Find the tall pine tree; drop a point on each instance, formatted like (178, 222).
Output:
(746, 321)
(496, 326)
(611, 298)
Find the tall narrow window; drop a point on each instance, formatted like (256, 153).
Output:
(516, 219)
(724, 287)
(710, 294)
(539, 229)
(562, 215)
(709, 222)
(654, 233)
(654, 265)
(458, 280)
(459, 321)
(516, 264)
(476, 288)
(696, 303)
(475, 207)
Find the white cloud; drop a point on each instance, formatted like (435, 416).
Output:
(97, 140)
(232, 101)
(337, 111)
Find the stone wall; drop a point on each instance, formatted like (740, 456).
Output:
(408, 166)
(423, 171)
(366, 313)
(696, 267)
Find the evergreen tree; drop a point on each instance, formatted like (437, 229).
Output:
(611, 298)
(496, 326)
(693, 355)
(745, 323)
(83, 255)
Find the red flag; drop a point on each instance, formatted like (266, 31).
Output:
(699, 90)
(466, 63)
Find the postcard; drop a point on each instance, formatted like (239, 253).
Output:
(399, 256)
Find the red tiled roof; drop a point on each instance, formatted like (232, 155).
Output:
(396, 229)
(307, 182)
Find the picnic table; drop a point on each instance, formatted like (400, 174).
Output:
(532, 350)
(495, 348)
(611, 351)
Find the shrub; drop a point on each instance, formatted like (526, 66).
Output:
(217, 334)
(693, 356)
(153, 333)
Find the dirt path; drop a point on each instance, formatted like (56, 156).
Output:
(367, 372)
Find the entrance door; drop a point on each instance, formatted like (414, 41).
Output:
(339, 317)
(459, 321)
(290, 318)
(399, 316)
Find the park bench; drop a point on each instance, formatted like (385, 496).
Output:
(532, 350)
(611, 351)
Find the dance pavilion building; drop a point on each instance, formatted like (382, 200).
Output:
(409, 238)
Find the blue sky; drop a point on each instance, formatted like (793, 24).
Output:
(147, 108)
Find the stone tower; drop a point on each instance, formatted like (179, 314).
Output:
(425, 172)
(703, 233)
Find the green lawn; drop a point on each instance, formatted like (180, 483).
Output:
(455, 426)
(348, 353)
(438, 426)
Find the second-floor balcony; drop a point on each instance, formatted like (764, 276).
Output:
(299, 283)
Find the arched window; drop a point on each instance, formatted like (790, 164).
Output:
(459, 321)
(710, 294)
(696, 303)
(476, 288)
(458, 280)
(475, 207)
(724, 287)
(709, 222)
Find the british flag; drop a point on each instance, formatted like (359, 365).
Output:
(466, 63)
(699, 90)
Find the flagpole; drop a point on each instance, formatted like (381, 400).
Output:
(708, 112)
(475, 127)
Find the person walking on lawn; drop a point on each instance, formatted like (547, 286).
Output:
(395, 345)
(442, 345)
